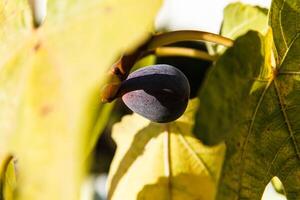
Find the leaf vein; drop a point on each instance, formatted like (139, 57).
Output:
(198, 158)
(240, 26)
(288, 49)
(250, 131)
(167, 161)
(287, 121)
(280, 25)
(289, 73)
(275, 157)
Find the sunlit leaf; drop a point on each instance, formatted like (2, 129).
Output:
(240, 18)
(14, 31)
(255, 103)
(50, 83)
(163, 161)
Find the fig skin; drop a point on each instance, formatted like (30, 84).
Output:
(159, 93)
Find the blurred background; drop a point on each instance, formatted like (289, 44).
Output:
(197, 14)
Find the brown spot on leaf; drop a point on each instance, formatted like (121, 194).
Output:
(107, 9)
(37, 46)
(45, 110)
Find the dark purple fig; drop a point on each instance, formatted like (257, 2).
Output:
(159, 93)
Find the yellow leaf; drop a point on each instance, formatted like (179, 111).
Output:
(50, 80)
(163, 161)
(14, 31)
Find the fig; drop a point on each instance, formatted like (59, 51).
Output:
(159, 93)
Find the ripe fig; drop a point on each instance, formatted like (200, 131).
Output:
(159, 93)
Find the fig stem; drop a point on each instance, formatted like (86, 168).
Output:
(186, 52)
(155, 45)
(187, 35)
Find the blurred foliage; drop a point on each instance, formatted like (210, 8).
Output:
(50, 83)
(105, 147)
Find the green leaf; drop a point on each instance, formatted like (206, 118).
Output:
(255, 104)
(163, 161)
(50, 83)
(284, 20)
(240, 18)
(230, 85)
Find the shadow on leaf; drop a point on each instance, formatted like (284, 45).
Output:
(182, 186)
(136, 149)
